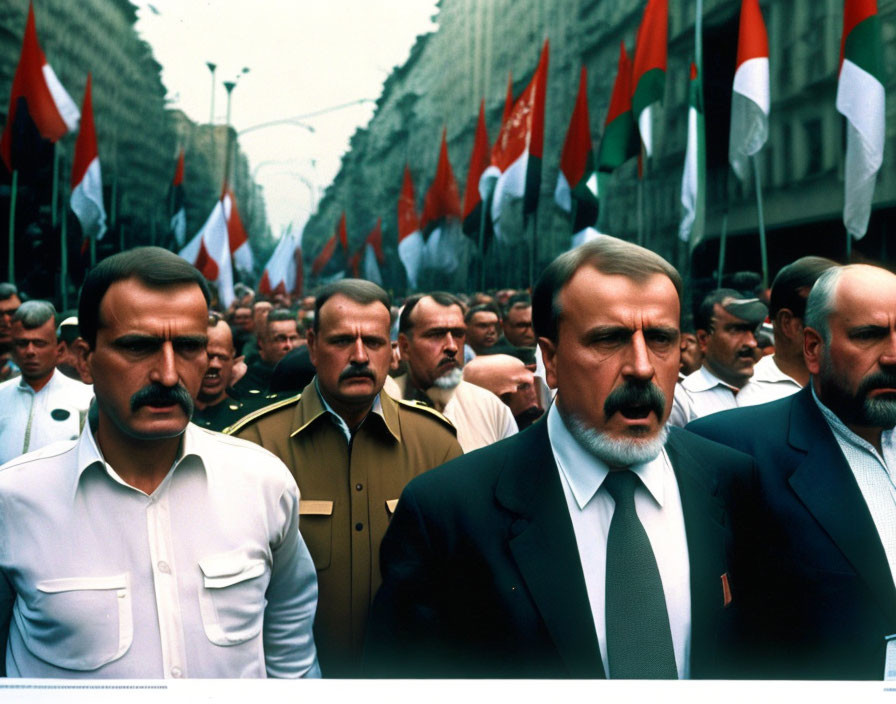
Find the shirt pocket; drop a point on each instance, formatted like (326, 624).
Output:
(79, 623)
(232, 595)
(316, 527)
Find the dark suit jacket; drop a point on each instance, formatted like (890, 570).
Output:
(820, 590)
(482, 578)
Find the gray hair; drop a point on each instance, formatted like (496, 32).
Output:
(820, 303)
(33, 314)
(8, 290)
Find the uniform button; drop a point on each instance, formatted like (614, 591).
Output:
(176, 672)
(163, 567)
(359, 526)
(358, 487)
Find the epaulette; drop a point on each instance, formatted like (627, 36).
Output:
(420, 406)
(261, 412)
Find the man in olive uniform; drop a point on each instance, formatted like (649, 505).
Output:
(351, 449)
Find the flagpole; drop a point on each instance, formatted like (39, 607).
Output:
(11, 266)
(92, 252)
(533, 253)
(63, 265)
(641, 171)
(763, 252)
(723, 238)
(54, 209)
(848, 247)
(482, 215)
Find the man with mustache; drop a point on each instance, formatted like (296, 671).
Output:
(726, 325)
(351, 450)
(823, 540)
(594, 543)
(149, 547)
(431, 333)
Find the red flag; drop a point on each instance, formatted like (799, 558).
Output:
(375, 240)
(479, 160)
(178, 225)
(577, 178)
(340, 237)
(517, 152)
(410, 239)
(240, 250)
(442, 199)
(39, 107)
(508, 99)
(620, 139)
(283, 272)
(87, 180)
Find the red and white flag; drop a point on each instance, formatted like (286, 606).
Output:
(240, 250)
(283, 272)
(410, 238)
(479, 160)
(37, 104)
(373, 254)
(339, 238)
(87, 179)
(649, 68)
(861, 100)
(751, 98)
(178, 223)
(209, 251)
(441, 215)
(515, 168)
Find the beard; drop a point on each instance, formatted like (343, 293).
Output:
(450, 379)
(856, 408)
(612, 451)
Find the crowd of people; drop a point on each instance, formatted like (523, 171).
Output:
(582, 480)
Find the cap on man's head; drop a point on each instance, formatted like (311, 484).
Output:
(68, 330)
(751, 310)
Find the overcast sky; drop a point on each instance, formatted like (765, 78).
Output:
(303, 56)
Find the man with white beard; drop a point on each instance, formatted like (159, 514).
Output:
(596, 543)
(431, 333)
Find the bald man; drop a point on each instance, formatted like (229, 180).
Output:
(508, 379)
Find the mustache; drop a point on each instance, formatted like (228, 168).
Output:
(353, 371)
(745, 352)
(635, 394)
(877, 380)
(158, 395)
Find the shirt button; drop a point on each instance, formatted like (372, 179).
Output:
(176, 672)
(163, 567)
(359, 526)
(358, 487)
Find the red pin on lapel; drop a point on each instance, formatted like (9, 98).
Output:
(726, 590)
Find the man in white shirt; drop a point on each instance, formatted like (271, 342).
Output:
(784, 373)
(726, 331)
(594, 543)
(822, 550)
(43, 405)
(431, 338)
(151, 548)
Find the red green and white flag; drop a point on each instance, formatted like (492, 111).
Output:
(209, 251)
(373, 254)
(649, 67)
(515, 168)
(479, 160)
(576, 190)
(861, 100)
(283, 272)
(340, 239)
(693, 181)
(410, 239)
(40, 109)
(87, 178)
(620, 139)
(751, 98)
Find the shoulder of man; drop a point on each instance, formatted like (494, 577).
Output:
(269, 412)
(427, 414)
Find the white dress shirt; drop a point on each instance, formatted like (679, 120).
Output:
(875, 474)
(658, 504)
(206, 577)
(768, 383)
(30, 420)
(700, 394)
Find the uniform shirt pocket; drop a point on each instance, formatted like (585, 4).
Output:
(316, 527)
(78, 623)
(232, 595)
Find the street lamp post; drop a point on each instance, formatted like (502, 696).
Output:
(228, 157)
(211, 112)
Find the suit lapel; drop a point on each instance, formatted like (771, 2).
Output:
(827, 487)
(703, 519)
(543, 545)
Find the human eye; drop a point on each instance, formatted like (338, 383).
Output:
(374, 343)
(867, 334)
(609, 339)
(189, 346)
(138, 346)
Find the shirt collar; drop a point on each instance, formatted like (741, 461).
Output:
(704, 380)
(312, 406)
(585, 473)
(26, 388)
(842, 431)
(338, 419)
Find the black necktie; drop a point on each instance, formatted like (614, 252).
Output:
(639, 641)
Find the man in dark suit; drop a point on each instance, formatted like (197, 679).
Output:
(594, 543)
(823, 544)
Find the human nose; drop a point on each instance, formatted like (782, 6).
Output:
(164, 371)
(359, 352)
(450, 344)
(639, 364)
(888, 354)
